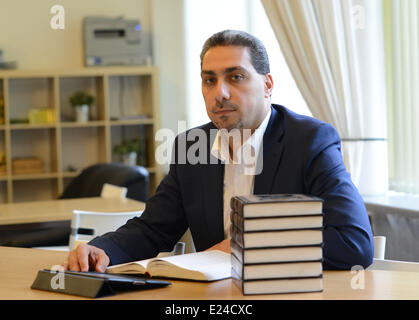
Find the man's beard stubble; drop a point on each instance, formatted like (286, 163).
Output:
(227, 105)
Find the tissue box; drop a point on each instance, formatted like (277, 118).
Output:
(45, 115)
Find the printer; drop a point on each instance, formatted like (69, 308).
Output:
(114, 41)
(5, 64)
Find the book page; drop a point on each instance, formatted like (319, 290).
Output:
(130, 267)
(213, 265)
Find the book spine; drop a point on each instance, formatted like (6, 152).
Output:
(237, 235)
(237, 266)
(237, 281)
(233, 204)
(237, 220)
(237, 251)
(237, 205)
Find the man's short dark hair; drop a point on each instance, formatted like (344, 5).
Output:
(258, 55)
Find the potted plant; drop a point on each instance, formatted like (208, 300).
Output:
(81, 101)
(128, 150)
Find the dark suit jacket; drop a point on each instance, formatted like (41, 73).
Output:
(300, 155)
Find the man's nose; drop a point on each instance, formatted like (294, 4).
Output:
(222, 91)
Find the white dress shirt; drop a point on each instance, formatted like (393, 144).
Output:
(239, 171)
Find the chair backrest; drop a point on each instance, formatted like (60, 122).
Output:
(86, 225)
(379, 247)
(112, 191)
(184, 245)
(379, 262)
(90, 181)
(188, 240)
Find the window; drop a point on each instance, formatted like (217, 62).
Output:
(402, 51)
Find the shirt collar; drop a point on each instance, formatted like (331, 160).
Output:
(220, 146)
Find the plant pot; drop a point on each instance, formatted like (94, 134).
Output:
(82, 113)
(130, 158)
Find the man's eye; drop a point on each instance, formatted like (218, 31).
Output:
(208, 81)
(238, 77)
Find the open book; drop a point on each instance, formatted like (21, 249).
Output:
(202, 266)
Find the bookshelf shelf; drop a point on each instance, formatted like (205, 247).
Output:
(131, 122)
(31, 126)
(82, 124)
(38, 176)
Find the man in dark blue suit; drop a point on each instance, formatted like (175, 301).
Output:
(296, 154)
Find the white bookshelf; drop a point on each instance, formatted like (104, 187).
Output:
(126, 106)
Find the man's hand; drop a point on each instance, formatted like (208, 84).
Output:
(86, 257)
(223, 246)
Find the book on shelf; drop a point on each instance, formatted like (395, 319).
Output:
(271, 205)
(277, 238)
(276, 223)
(276, 254)
(277, 270)
(277, 286)
(200, 266)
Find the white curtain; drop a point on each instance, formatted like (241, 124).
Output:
(327, 45)
(402, 43)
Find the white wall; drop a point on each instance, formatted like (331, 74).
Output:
(26, 35)
(169, 55)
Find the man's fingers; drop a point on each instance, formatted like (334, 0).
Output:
(85, 258)
(102, 262)
(83, 252)
(73, 263)
(65, 265)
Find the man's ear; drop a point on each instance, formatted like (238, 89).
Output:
(269, 85)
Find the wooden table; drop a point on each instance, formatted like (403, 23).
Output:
(61, 210)
(18, 269)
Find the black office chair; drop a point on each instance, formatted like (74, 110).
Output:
(88, 183)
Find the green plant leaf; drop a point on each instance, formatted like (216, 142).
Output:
(127, 146)
(80, 98)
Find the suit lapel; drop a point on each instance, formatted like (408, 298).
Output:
(272, 151)
(213, 188)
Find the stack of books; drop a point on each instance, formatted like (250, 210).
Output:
(276, 243)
